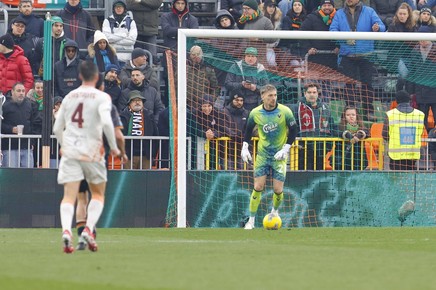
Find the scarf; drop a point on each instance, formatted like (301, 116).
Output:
(136, 124)
(106, 59)
(327, 18)
(38, 100)
(247, 18)
(307, 119)
(353, 128)
(73, 9)
(119, 17)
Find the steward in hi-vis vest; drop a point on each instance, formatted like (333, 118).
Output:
(405, 131)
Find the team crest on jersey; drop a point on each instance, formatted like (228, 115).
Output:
(279, 115)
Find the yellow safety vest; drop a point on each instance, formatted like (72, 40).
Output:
(405, 132)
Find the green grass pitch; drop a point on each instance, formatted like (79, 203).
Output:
(306, 258)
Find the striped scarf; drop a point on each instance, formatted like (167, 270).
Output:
(327, 19)
(244, 18)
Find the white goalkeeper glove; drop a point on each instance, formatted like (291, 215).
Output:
(245, 154)
(283, 153)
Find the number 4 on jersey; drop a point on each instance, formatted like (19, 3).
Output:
(77, 116)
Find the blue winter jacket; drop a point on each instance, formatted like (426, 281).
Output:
(368, 17)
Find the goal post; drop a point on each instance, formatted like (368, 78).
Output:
(177, 212)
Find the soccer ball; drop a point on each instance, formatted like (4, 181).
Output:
(271, 222)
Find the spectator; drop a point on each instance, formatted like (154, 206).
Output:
(139, 61)
(112, 84)
(37, 94)
(314, 120)
(14, 66)
(223, 20)
(425, 18)
(352, 130)
(236, 118)
(30, 44)
(234, 7)
(403, 129)
(19, 110)
(66, 71)
(146, 13)
(35, 24)
(206, 123)
(138, 121)
(353, 63)
(79, 24)
(152, 100)
(59, 39)
(422, 62)
(252, 18)
(101, 52)
(386, 9)
(201, 79)
(292, 21)
(121, 30)
(246, 77)
(320, 20)
(403, 20)
(272, 12)
(179, 17)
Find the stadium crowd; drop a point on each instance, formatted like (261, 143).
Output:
(126, 51)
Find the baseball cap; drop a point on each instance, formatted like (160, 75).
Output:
(251, 50)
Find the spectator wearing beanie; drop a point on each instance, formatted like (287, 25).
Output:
(101, 52)
(138, 61)
(14, 66)
(293, 21)
(424, 17)
(121, 30)
(252, 18)
(320, 20)
(112, 83)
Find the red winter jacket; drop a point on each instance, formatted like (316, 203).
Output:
(15, 68)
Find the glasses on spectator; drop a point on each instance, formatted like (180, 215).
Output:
(19, 25)
(246, 9)
(71, 50)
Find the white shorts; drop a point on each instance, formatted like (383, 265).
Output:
(71, 170)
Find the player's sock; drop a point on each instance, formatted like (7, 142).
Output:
(67, 213)
(95, 208)
(277, 200)
(80, 226)
(254, 202)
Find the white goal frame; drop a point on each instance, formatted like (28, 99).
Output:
(183, 34)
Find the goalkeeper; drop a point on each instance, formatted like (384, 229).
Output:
(277, 131)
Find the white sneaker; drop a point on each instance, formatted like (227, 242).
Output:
(81, 245)
(249, 225)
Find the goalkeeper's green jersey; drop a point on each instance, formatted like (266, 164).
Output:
(272, 128)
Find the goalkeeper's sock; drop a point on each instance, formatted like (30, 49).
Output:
(277, 200)
(254, 202)
(95, 208)
(67, 213)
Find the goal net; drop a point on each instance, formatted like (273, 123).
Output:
(341, 172)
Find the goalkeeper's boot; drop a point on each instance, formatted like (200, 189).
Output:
(89, 238)
(250, 224)
(81, 245)
(67, 240)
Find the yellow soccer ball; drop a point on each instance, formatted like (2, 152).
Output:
(272, 222)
